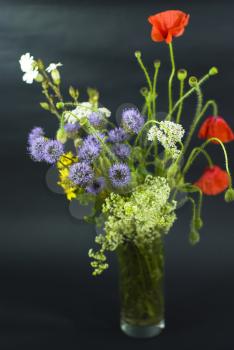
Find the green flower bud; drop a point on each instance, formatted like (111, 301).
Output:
(40, 64)
(138, 54)
(83, 121)
(229, 195)
(192, 81)
(74, 93)
(55, 76)
(157, 64)
(61, 135)
(194, 237)
(213, 71)
(45, 106)
(59, 105)
(182, 74)
(39, 78)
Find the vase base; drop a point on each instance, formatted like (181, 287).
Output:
(142, 331)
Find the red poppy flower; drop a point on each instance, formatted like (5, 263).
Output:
(216, 127)
(213, 181)
(168, 24)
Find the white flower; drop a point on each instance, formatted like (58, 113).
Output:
(168, 134)
(27, 65)
(29, 76)
(105, 111)
(26, 62)
(84, 110)
(53, 66)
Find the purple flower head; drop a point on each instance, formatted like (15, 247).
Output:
(37, 149)
(93, 139)
(53, 151)
(132, 120)
(89, 151)
(35, 133)
(121, 150)
(81, 174)
(97, 186)
(96, 119)
(119, 174)
(71, 129)
(117, 135)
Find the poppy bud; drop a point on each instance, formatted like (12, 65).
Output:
(198, 223)
(194, 237)
(229, 195)
(213, 71)
(157, 64)
(192, 81)
(138, 54)
(182, 74)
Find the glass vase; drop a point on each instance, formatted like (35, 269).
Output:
(141, 275)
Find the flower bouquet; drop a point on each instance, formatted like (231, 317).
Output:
(133, 172)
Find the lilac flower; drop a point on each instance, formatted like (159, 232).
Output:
(81, 174)
(71, 128)
(97, 186)
(53, 151)
(117, 135)
(34, 133)
(132, 120)
(119, 174)
(37, 149)
(121, 150)
(96, 119)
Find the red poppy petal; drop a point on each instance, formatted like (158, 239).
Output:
(213, 181)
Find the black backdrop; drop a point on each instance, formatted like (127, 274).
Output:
(48, 298)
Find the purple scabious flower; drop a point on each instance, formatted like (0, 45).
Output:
(53, 151)
(37, 148)
(132, 120)
(71, 128)
(97, 186)
(81, 174)
(88, 152)
(119, 174)
(117, 135)
(90, 149)
(121, 150)
(35, 133)
(96, 119)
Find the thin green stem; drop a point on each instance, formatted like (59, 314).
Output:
(154, 89)
(181, 103)
(170, 82)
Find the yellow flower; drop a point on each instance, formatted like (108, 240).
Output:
(64, 162)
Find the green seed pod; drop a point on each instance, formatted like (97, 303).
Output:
(39, 78)
(182, 74)
(192, 81)
(213, 71)
(55, 76)
(138, 54)
(157, 63)
(59, 105)
(194, 237)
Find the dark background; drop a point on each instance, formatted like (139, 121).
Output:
(48, 298)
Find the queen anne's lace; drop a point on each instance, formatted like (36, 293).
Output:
(168, 134)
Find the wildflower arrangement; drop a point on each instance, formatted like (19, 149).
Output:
(135, 170)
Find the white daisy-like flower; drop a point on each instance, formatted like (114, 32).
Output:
(29, 76)
(53, 66)
(26, 62)
(168, 134)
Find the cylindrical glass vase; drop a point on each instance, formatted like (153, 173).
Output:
(141, 271)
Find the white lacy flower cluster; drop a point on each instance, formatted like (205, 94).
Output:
(141, 218)
(84, 110)
(168, 134)
(28, 66)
